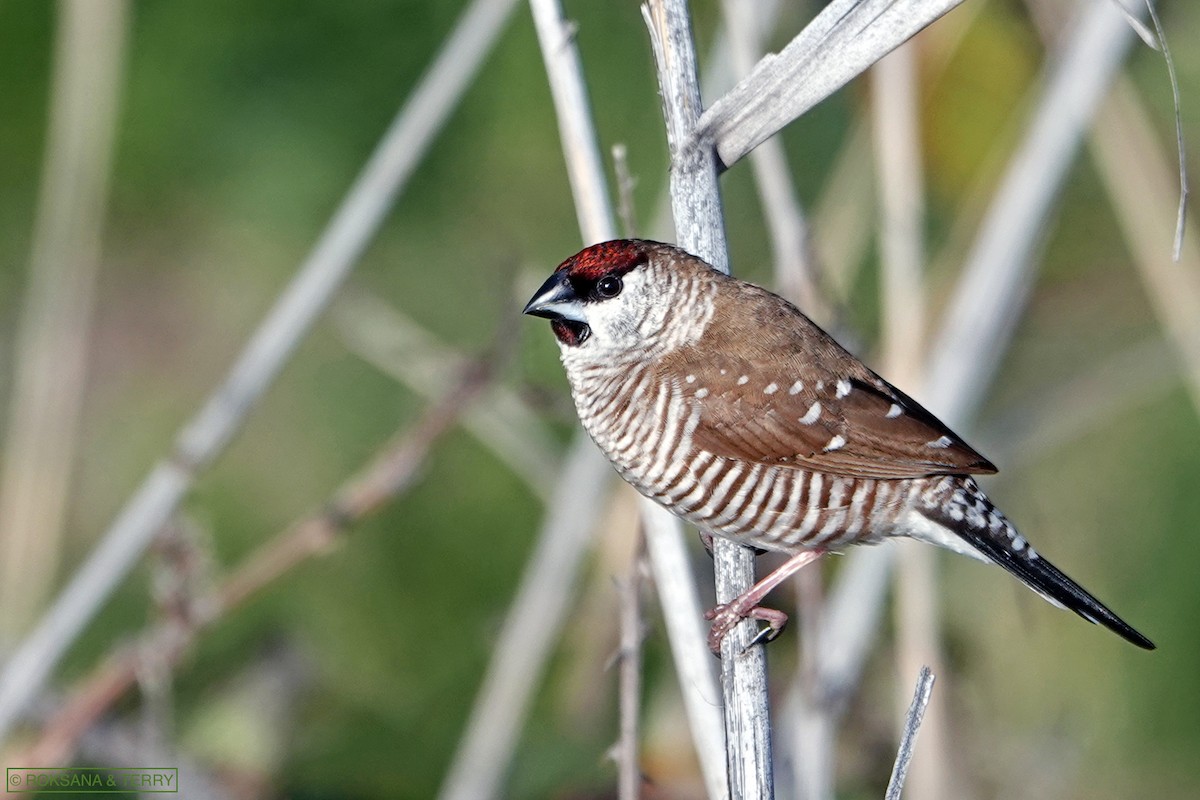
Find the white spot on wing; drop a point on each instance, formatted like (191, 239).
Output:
(772, 388)
(843, 387)
(836, 443)
(939, 443)
(814, 411)
(894, 411)
(690, 379)
(742, 381)
(701, 393)
(797, 387)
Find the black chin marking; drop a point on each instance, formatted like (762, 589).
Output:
(570, 332)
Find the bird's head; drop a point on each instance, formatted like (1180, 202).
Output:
(615, 296)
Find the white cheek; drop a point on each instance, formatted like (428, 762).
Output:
(626, 320)
(614, 324)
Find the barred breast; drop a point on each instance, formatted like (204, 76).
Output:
(644, 425)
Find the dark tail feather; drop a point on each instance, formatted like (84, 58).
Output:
(1046, 579)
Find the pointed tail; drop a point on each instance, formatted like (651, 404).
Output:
(984, 528)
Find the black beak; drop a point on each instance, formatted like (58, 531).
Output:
(556, 300)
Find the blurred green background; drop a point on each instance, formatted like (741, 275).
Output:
(241, 126)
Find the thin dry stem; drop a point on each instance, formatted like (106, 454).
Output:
(504, 422)
(52, 341)
(629, 771)
(984, 308)
(895, 102)
(585, 167)
(537, 612)
(625, 185)
(791, 246)
(847, 37)
(388, 475)
(700, 228)
(1139, 187)
(908, 740)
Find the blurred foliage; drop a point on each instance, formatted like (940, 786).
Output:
(242, 125)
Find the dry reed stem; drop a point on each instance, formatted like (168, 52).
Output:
(1137, 176)
(700, 229)
(912, 724)
(794, 261)
(205, 436)
(984, 307)
(390, 473)
(843, 40)
(986, 300)
(629, 657)
(52, 340)
(504, 422)
(489, 743)
(895, 104)
(537, 612)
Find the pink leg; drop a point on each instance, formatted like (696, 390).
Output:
(726, 617)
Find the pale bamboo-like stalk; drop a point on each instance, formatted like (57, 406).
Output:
(912, 724)
(396, 345)
(629, 667)
(52, 341)
(806, 737)
(206, 435)
(684, 621)
(487, 746)
(843, 40)
(791, 246)
(700, 229)
(585, 166)
(987, 299)
(530, 629)
(840, 241)
(392, 470)
(984, 307)
(895, 105)
(1140, 189)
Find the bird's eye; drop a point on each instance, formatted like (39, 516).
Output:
(609, 286)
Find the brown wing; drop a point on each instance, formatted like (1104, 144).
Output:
(780, 391)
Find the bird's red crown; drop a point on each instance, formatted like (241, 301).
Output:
(616, 257)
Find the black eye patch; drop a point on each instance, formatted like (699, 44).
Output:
(595, 290)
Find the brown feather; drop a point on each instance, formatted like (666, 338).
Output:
(773, 347)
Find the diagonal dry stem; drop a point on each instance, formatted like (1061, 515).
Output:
(391, 473)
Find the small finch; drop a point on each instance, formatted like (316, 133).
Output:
(723, 403)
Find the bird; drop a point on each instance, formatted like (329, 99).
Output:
(722, 402)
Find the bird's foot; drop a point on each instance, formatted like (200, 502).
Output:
(726, 617)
